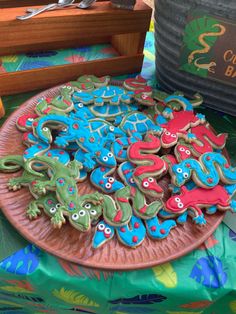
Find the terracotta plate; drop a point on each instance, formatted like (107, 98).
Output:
(70, 244)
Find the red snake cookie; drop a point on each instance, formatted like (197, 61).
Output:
(151, 166)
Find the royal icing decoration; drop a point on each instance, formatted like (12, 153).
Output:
(207, 172)
(198, 198)
(150, 166)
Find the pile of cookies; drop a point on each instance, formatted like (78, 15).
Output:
(123, 138)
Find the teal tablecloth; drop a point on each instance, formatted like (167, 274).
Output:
(203, 282)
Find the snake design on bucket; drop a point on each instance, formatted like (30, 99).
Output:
(201, 39)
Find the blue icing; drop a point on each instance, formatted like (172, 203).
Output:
(211, 210)
(187, 104)
(182, 218)
(100, 178)
(103, 233)
(132, 234)
(127, 169)
(159, 230)
(208, 175)
(209, 272)
(200, 220)
(23, 262)
(35, 150)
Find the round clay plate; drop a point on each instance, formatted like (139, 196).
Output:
(74, 246)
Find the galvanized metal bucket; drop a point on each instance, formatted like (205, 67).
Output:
(189, 54)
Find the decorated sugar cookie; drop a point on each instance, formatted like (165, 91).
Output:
(198, 198)
(207, 140)
(157, 230)
(24, 123)
(75, 130)
(142, 92)
(125, 171)
(102, 178)
(90, 82)
(177, 126)
(132, 234)
(150, 166)
(121, 144)
(137, 123)
(118, 211)
(11, 163)
(207, 172)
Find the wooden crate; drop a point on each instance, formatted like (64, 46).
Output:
(124, 29)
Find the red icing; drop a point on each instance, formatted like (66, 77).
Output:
(210, 180)
(61, 152)
(107, 235)
(101, 182)
(122, 229)
(102, 169)
(208, 158)
(39, 146)
(25, 136)
(61, 181)
(75, 126)
(118, 216)
(23, 119)
(199, 197)
(26, 152)
(119, 141)
(227, 166)
(143, 209)
(162, 231)
(136, 225)
(70, 189)
(135, 239)
(207, 139)
(72, 205)
(35, 123)
(156, 166)
(153, 228)
(180, 122)
(49, 154)
(122, 200)
(126, 171)
(182, 153)
(67, 102)
(47, 110)
(136, 82)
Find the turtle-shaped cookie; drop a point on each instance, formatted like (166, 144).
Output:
(137, 122)
(110, 112)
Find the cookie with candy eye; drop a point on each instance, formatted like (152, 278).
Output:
(24, 123)
(102, 179)
(150, 166)
(207, 172)
(79, 219)
(183, 151)
(103, 233)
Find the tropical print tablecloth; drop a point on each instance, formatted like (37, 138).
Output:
(203, 282)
